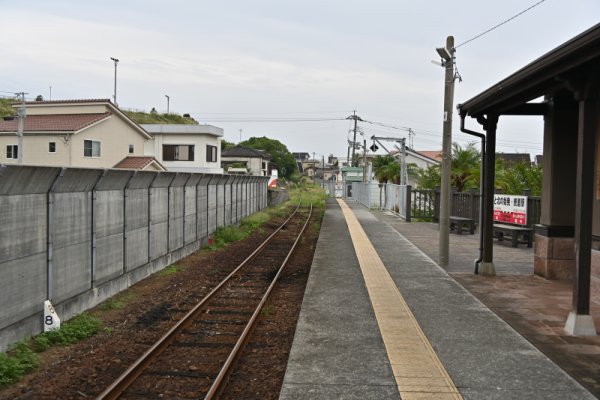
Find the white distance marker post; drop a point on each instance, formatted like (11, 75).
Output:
(51, 320)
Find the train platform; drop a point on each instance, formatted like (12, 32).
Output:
(381, 320)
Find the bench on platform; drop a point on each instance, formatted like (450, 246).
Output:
(459, 222)
(518, 234)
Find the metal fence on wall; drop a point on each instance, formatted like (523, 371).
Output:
(424, 204)
(78, 236)
(368, 194)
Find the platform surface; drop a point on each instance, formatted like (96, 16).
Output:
(343, 348)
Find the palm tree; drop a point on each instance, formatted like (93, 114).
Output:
(430, 177)
(386, 168)
(515, 178)
(465, 168)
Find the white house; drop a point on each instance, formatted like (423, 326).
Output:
(420, 159)
(254, 162)
(185, 148)
(72, 133)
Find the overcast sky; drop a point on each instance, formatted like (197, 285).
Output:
(246, 64)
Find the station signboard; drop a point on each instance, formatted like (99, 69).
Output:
(510, 209)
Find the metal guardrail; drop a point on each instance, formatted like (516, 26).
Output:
(424, 204)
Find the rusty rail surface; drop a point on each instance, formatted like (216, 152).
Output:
(127, 378)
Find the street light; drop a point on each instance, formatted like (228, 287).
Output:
(116, 61)
(168, 101)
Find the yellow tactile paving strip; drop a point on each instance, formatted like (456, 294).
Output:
(418, 371)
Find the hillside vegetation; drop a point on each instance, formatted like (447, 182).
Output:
(6, 108)
(138, 117)
(156, 118)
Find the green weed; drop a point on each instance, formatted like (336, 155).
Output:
(170, 270)
(117, 302)
(16, 363)
(70, 332)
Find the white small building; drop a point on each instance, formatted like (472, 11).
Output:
(185, 148)
(255, 162)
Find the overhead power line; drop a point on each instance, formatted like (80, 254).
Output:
(500, 24)
(271, 119)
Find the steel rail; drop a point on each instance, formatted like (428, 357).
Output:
(220, 380)
(125, 380)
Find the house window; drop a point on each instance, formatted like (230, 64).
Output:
(211, 153)
(12, 151)
(51, 147)
(178, 152)
(130, 149)
(91, 148)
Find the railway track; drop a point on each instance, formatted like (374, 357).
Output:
(194, 358)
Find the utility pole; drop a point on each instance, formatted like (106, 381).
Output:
(447, 55)
(323, 169)
(314, 167)
(403, 168)
(168, 102)
(240, 136)
(116, 61)
(365, 160)
(356, 118)
(411, 134)
(21, 113)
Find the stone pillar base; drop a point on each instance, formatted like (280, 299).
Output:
(554, 256)
(580, 325)
(487, 269)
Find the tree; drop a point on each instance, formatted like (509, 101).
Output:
(430, 177)
(515, 178)
(39, 98)
(386, 168)
(226, 145)
(465, 170)
(280, 155)
(465, 173)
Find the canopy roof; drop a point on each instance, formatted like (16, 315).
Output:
(553, 72)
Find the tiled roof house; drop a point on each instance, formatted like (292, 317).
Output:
(77, 133)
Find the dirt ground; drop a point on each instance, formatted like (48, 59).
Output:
(85, 369)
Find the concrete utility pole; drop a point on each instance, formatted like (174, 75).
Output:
(356, 118)
(323, 169)
(116, 61)
(403, 171)
(168, 102)
(365, 161)
(314, 167)
(447, 55)
(21, 113)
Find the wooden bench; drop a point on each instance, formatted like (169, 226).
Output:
(515, 232)
(459, 222)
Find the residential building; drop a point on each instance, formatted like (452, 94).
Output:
(185, 148)
(419, 159)
(144, 163)
(256, 162)
(73, 133)
(300, 159)
(433, 154)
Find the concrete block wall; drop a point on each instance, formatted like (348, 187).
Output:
(78, 236)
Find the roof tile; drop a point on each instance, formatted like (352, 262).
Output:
(135, 162)
(53, 123)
